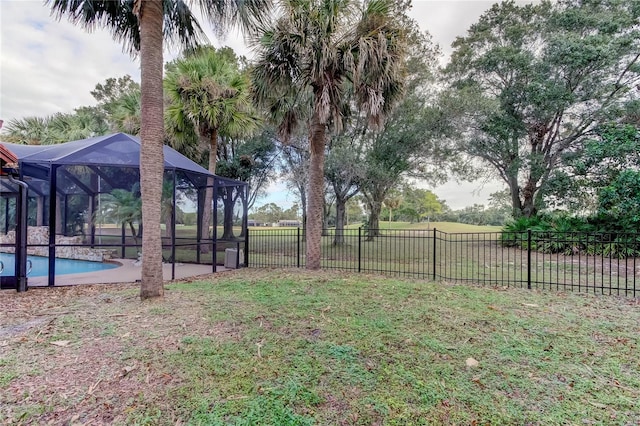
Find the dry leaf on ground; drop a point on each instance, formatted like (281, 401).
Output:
(470, 362)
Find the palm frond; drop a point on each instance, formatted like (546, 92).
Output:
(181, 27)
(206, 91)
(118, 16)
(127, 113)
(248, 14)
(331, 48)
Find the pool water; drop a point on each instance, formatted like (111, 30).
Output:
(40, 266)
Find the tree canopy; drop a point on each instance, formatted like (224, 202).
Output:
(531, 82)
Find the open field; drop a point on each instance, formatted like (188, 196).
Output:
(400, 243)
(450, 227)
(267, 347)
(186, 238)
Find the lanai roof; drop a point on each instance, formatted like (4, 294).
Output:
(115, 150)
(119, 150)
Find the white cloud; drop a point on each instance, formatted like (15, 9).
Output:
(446, 20)
(278, 193)
(49, 66)
(461, 194)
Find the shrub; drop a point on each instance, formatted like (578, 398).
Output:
(561, 233)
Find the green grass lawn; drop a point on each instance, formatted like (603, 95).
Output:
(257, 347)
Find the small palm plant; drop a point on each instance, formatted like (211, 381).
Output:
(123, 207)
(392, 202)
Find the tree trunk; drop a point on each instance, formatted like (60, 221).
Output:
(39, 210)
(516, 204)
(529, 208)
(326, 211)
(227, 222)
(58, 229)
(208, 195)
(303, 203)
(168, 222)
(151, 138)
(341, 208)
(134, 235)
(316, 192)
(373, 226)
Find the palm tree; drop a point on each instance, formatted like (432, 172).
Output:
(207, 93)
(27, 131)
(122, 206)
(126, 114)
(142, 26)
(392, 202)
(83, 123)
(168, 208)
(322, 50)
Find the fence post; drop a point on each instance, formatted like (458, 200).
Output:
(529, 259)
(298, 246)
(124, 240)
(360, 249)
(434, 254)
(246, 248)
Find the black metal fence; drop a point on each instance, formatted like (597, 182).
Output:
(117, 243)
(603, 263)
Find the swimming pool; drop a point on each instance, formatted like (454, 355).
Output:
(40, 265)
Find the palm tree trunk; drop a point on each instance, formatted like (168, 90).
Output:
(316, 193)
(39, 215)
(151, 154)
(168, 222)
(208, 195)
(134, 235)
(58, 229)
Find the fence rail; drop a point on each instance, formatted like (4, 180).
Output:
(603, 263)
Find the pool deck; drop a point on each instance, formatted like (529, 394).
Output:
(129, 272)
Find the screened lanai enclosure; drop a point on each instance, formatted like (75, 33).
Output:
(81, 200)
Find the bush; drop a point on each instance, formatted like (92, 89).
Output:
(564, 234)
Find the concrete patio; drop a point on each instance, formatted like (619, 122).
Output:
(128, 272)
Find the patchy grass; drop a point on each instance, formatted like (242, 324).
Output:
(296, 348)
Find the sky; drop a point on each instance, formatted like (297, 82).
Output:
(49, 66)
